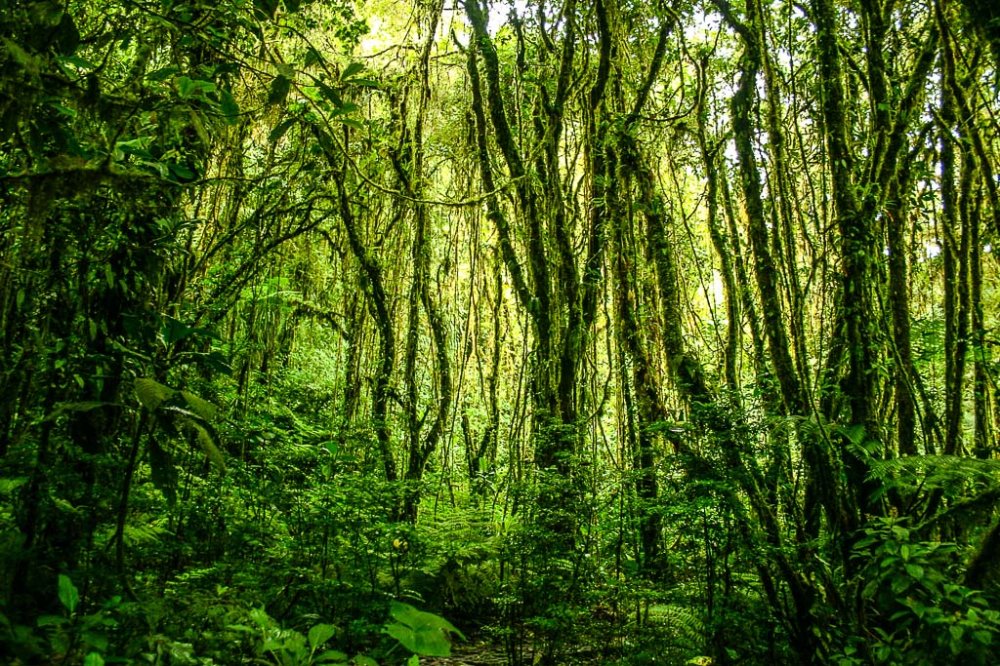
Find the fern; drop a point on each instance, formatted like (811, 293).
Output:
(936, 472)
(686, 624)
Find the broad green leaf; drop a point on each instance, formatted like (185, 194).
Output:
(230, 109)
(352, 69)
(204, 434)
(181, 173)
(364, 82)
(188, 87)
(50, 621)
(330, 657)
(163, 73)
(85, 406)
(67, 36)
(320, 634)
(280, 130)
(68, 594)
(77, 61)
(265, 9)
(152, 393)
(200, 406)
(423, 633)
(278, 91)
(331, 95)
(21, 57)
(362, 660)
(349, 107)
(93, 659)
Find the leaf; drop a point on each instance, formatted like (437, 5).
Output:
(9, 485)
(93, 659)
(67, 36)
(330, 657)
(278, 91)
(152, 393)
(349, 107)
(200, 406)
(204, 435)
(163, 73)
(84, 406)
(230, 109)
(50, 621)
(361, 660)
(351, 70)
(68, 594)
(364, 83)
(422, 633)
(181, 173)
(265, 9)
(331, 95)
(320, 634)
(188, 87)
(280, 130)
(21, 57)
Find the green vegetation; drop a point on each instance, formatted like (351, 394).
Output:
(544, 333)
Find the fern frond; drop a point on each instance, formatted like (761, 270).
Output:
(681, 619)
(936, 471)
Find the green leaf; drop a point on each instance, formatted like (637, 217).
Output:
(68, 594)
(200, 406)
(349, 107)
(163, 73)
(50, 621)
(93, 659)
(362, 660)
(915, 571)
(67, 36)
(77, 61)
(85, 406)
(204, 435)
(9, 485)
(331, 95)
(422, 633)
(265, 9)
(414, 660)
(364, 82)
(188, 87)
(181, 173)
(230, 109)
(280, 130)
(152, 393)
(351, 70)
(278, 91)
(21, 57)
(330, 657)
(320, 634)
